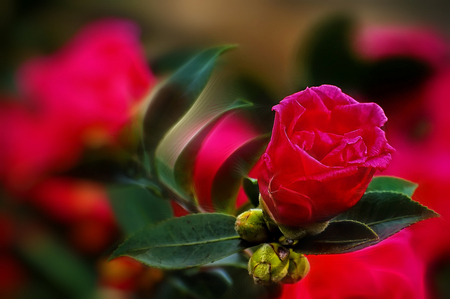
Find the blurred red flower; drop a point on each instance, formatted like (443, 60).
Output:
(80, 96)
(390, 269)
(228, 135)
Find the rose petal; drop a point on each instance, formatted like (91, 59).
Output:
(332, 96)
(352, 117)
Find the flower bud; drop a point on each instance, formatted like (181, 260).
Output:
(251, 226)
(269, 263)
(298, 268)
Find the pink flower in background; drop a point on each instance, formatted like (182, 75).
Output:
(83, 95)
(390, 269)
(324, 150)
(94, 81)
(377, 42)
(230, 133)
(418, 128)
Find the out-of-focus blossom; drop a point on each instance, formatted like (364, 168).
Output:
(128, 275)
(230, 133)
(425, 159)
(70, 200)
(12, 276)
(80, 96)
(418, 128)
(390, 269)
(377, 42)
(94, 81)
(83, 205)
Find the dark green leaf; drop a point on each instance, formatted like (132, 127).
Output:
(177, 95)
(228, 178)
(251, 189)
(171, 61)
(209, 283)
(136, 208)
(337, 237)
(388, 183)
(330, 58)
(386, 212)
(184, 242)
(57, 264)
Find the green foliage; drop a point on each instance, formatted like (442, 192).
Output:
(338, 236)
(177, 95)
(184, 242)
(386, 212)
(135, 207)
(58, 265)
(388, 183)
(214, 283)
(385, 209)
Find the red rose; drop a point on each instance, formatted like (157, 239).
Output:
(324, 150)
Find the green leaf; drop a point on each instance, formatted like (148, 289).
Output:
(57, 264)
(135, 207)
(209, 283)
(177, 94)
(175, 155)
(386, 212)
(337, 237)
(388, 183)
(184, 242)
(329, 57)
(251, 189)
(228, 178)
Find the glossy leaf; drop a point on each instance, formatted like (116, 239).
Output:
(135, 207)
(388, 183)
(184, 242)
(386, 212)
(228, 178)
(171, 101)
(337, 237)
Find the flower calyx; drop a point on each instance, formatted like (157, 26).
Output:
(269, 264)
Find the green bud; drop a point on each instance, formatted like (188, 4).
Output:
(251, 227)
(287, 242)
(269, 263)
(298, 268)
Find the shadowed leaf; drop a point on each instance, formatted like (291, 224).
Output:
(337, 237)
(386, 212)
(136, 208)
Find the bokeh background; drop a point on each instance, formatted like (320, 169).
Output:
(55, 239)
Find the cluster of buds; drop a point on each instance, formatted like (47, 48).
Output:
(274, 261)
